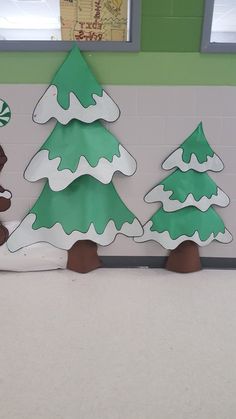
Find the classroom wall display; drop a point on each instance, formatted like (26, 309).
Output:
(187, 218)
(79, 206)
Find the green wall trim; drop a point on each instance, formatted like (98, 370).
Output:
(144, 68)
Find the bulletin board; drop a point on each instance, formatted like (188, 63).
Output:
(95, 20)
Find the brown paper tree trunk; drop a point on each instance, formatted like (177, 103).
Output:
(185, 258)
(83, 257)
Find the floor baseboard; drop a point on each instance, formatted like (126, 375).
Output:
(159, 262)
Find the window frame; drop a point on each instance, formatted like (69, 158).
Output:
(132, 45)
(206, 44)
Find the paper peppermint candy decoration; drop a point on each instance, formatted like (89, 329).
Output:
(5, 113)
(187, 196)
(74, 93)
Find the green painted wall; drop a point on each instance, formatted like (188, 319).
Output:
(171, 33)
(172, 25)
(143, 68)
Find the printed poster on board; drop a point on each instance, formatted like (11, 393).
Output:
(95, 20)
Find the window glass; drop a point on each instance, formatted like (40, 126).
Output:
(67, 20)
(224, 21)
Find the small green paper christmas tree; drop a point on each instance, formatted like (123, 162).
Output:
(79, 206)
(186, 218)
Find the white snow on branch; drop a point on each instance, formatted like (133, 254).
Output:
(25, 235)
(213, 163)
(42, 167)
(159, 194)
(168, 243)
(48, 107)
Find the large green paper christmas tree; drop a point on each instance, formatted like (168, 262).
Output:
(79, 206)
(186, 218)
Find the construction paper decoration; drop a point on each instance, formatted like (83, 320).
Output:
(38, 257)
(4, 234)
(79, 149)
(85, 210)
(194, 153)
(5, 200)
(3, 158)
(5, 113)
(184, 258)
(184, 189)
(74, 93)
(187, 196)
(5, 195)
(83, 257)
(79, 206)
(5, 203)
(170, 229)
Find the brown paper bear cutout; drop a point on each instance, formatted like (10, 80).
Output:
(3, 158)
(5, 202)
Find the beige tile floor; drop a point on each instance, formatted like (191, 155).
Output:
(118, 344)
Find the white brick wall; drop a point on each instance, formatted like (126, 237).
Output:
(154, 120)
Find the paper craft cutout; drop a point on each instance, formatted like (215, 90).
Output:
(4, 234)
(5, 195)
(5, 113)
(83, 257)
(5, 200)
(174, 192)
(186, 219)
(172, 228)
(79, 206)
(38, 257)
(85, 210)
(74, 93)
(194, 153)
(3, 158)
(79, 149)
